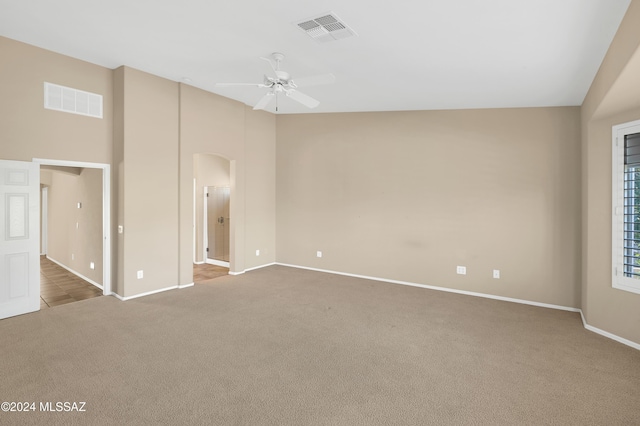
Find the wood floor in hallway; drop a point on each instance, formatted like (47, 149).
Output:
(205, 272)
(59, 286)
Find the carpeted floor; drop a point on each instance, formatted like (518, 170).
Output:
(281, 346)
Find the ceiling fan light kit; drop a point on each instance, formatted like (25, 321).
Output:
(281, 82)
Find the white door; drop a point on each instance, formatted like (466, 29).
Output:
(19, 238)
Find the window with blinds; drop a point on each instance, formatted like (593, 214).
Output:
(631, 202)
(625, 248)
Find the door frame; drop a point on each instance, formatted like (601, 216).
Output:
(106, 211)
(44, 214)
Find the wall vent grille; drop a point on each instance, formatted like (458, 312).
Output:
(74, 101)
(325, 27)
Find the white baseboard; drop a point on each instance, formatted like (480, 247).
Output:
(217, 263)
(448, 290)
(198, 263)
(90, 281)
(186, 285)
(252, 268)
(608, 335)
(259, 267)
(484, 295)
(148, 293)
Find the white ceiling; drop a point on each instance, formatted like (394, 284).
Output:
(408, 55)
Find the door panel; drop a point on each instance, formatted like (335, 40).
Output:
(212, 219)
(19, 238)
(224, 200)
(218, 223)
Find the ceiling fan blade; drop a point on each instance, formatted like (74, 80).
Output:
(264, 101)
(305, 100)
(314, 80)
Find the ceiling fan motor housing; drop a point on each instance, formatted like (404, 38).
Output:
(283, 76)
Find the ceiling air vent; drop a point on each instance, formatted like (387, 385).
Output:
(325, 27)
(61, 98)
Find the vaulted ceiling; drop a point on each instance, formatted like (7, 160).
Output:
(406, 55)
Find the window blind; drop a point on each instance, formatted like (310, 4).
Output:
(631, 221)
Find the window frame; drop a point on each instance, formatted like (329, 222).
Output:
(619, 280)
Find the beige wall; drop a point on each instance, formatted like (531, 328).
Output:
(84, 242)
(27, 129)
(212, 124)
(117, 185)
(149, 187)
(139, 136)
(612, 99)
(410, 195)
(260, 229)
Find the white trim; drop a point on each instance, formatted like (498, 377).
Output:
(44, 221)
(609, 335)
(217, 262)
(106, 211)
(89, 280)
(448, 290)
(194, 222)
(148, 293)
(484, 295)
(584, 321)
(260, 267)
(205, 224)
(186, 285)
(198, 263)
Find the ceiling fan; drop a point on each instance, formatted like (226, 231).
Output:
(282, 83)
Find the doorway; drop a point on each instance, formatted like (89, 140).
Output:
(104, 216)
(213, 204)
(20, 246)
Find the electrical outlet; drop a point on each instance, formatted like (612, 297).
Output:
(92, 265)
(140, 274)
(257, 252)
(120, 229)
(461, 270)
(318, 253)
(496, 273)
(79, 205)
